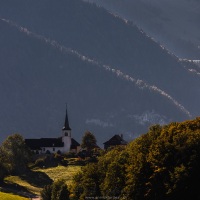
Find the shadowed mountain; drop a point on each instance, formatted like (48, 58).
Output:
(174, 24)
(52, 52)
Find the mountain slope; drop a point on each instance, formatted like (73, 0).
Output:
(69, 51)
(173, 23)
(97, 34)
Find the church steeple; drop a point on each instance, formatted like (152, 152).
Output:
(66, 124)
(66, 134)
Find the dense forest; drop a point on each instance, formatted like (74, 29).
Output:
(161, 164)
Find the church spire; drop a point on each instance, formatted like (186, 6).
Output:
(66, 124)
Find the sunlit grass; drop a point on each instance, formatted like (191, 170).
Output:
(7, 196)
(61, 172)
(29, 184)
(17, 180)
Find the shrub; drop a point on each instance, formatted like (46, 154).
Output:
(56, 191)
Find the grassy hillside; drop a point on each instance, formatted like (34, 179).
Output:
(23, 183)
(31, 184)
(66, 173)
(6, 196)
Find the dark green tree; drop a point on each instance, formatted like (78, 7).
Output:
(77, 186)
(114, 179)
(59, 190)
(64, 193)
(15, 154)
(46, 192)
(3, 171)
(161, 164)
(56, 191)
(88, 141)
(86, 183)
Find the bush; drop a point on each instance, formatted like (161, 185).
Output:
(70, 155)
(56, 191)
(46, 192)
(40, 162)
(47, 161)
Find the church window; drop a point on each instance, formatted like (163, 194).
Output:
(66, 134)
(53, 149)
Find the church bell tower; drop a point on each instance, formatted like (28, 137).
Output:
(66, 134)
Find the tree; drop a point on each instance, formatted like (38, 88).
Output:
(114, 179)
(86, 183)
(59, 190)
(15, 154)
(56, 191)
(88, 141)
(46, 192)
(161, 164)
(63, 194)
(3, 171)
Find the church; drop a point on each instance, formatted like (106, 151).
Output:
(61, 145)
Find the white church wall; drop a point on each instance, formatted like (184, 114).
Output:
(52, 149)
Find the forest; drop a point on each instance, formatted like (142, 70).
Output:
(160, 164)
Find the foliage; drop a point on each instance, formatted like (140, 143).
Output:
(161, 164)
(113, 180)
(46, 192)
(63, 193)
(93, 181)
(88, 141)
(15, 154)
(3, 170)
(56, 191)
(87, 182)
(48, 161)
(70, 155)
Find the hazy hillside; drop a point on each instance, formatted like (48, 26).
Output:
(173, 23)
(42, 44)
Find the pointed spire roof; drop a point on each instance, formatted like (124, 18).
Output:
(66, 124)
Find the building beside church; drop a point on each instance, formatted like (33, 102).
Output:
(115, 141)
(63, 144)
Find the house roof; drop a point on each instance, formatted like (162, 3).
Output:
(116, 140)
(74, 144)
(44, 142)
(33, 144)
(36, 144)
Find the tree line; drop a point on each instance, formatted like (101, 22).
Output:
(162, 164)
